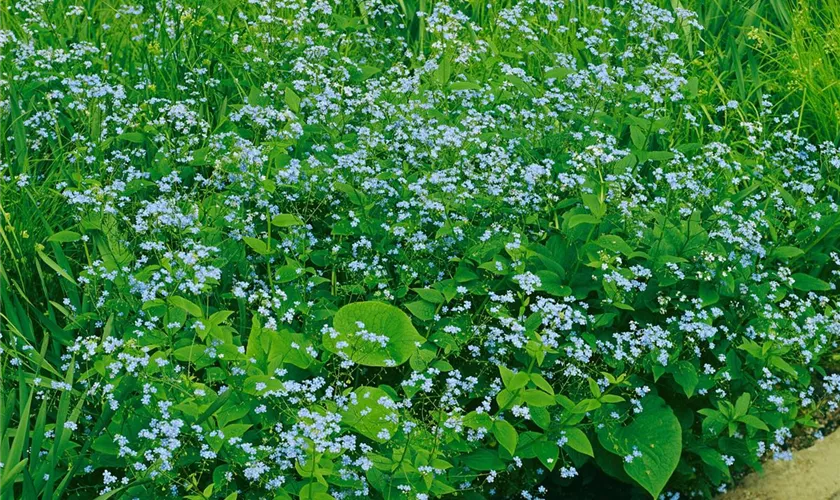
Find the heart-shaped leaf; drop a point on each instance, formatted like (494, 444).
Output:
(652, 444)
(368, 411)
(373, 334)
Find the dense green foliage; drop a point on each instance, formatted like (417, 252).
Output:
(295, 249)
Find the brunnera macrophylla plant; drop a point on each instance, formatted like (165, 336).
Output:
(326, 250)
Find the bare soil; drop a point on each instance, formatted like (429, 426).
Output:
(813, 474)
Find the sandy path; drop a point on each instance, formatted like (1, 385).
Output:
(813, 474)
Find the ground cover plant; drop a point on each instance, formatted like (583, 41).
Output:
(413, 249)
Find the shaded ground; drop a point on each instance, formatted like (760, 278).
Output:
(813, 474)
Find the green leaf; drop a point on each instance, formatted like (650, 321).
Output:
(430, 295)
(557, 73)
(783, 365)
(659, 155)
(292, 100)
(611, 398)
(506, 435)
(540, 416)
(594, 204)
(464, 86)
(186, 305)
(380, 319)
(752, 348)
(551, 283)
(475, 420)
(614, 244)
(538, 398)
(787, 252)
(594, 388)
(518, 381)
(638, 137)
(55, 267)
(808, 283)
(713, 459)
(135, 137)
(714, 422)
(753, 422)
(578, 441)
(685, 374)
(368, 71)
(463, 275)
(548, 453)
(742, 404)
(579, 219)
(625, 163)
(19, 132)
(535, 445)
(506, 398)
(10, 473)
(708, 294)
(65, 237)
(440, 489)
(542, 383)
(422, 309)
(507, 374)
(191, 353)
(484, 459)
(564, 401)
(367, 411)
(657, 434)
(257, 245)
(286, 273)
(286, 220)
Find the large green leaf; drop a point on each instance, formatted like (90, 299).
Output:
(65, 237)
(186, 305)
(484, 459)
(686, 376)
(578, 441)
(286, 220)
(657, 435)
(808, 283)
(506, 435)
(390, 339)
(369, 410)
